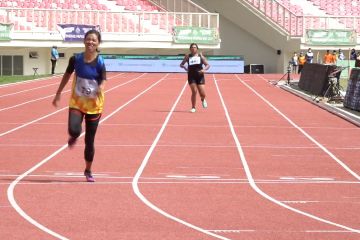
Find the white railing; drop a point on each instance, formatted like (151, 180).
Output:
(130, 22)
(178, 6)
(296, 25)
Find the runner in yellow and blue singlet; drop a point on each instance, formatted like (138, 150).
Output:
(87, 96)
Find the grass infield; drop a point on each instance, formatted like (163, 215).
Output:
(12, 79)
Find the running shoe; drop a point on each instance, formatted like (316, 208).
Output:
(71, 142)
(193, 110)
(204, 103)
(89, 176)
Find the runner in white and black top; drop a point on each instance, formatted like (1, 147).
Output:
(196, 79)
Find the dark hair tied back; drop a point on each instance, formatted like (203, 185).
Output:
(93, 31)
(194, 44)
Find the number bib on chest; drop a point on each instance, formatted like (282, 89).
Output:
(194, 60)
(86, 87)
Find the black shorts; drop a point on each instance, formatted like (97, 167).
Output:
(197, 78)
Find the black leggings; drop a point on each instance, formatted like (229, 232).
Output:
(91, 123)
(53, 65)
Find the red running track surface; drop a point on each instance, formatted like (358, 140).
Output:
(258, 163)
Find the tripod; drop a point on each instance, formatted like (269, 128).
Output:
(333, 92)
(287, 74)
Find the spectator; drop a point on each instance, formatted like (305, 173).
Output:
(353, 54)
(301, 61)
(328, 58)
(357, 60)
(309, 56)
(341, 55)
(294, 63)
(54, 58)
(334, 57)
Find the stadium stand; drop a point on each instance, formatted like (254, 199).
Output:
(126, 16)
(330, 14)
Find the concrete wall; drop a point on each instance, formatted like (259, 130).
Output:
(244, 31)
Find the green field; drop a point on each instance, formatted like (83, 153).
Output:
(12, 79)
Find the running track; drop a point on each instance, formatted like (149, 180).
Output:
(259, 163)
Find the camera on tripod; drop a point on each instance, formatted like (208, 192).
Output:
(288, 72)
(289, 67)
(333, 91)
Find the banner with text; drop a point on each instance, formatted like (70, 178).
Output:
(331, 37)
(75, 32)
(168, 63)
(196, 35)
(5, 29)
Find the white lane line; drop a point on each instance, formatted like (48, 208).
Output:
(232, 230)
(307, 178)
(135, 182)
(274, 231)
(347, 168)
(67, 107)
(182, 178)
(307, 201)
(11, 188)
(31, 101)
(148, 182)
(248, 171)
(191, 146)
(197, 126)
(28, 90)
(41, 98)
(27, 81)
(345, 113)
(193, 177)
(31, 122)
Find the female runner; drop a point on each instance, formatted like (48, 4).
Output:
(196, 79)
(87, 97)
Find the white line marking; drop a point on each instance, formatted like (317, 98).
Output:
(248, 171)
(205, 179)
(303, 201)
(28, 90)
(26, 82)
(232, 230)
(302, 131)
(31, 122)
(137, 176)
(193, 177)
(52, 95)
(192, 146)
(330, 105)
(10, 190)
(327, 231)
(53, 113)
(273, 231)
(27, 102)
(307, 178)
(5, 206)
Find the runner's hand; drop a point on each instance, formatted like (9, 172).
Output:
(56, 100)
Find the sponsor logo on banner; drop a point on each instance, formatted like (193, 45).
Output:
(5, 29)
(331, 37)
(196, 34)
(168, 63)
(75, 32)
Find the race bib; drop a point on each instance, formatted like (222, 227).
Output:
(86, 87)
(194, 60)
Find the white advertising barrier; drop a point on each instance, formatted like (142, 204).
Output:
(145, 63)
